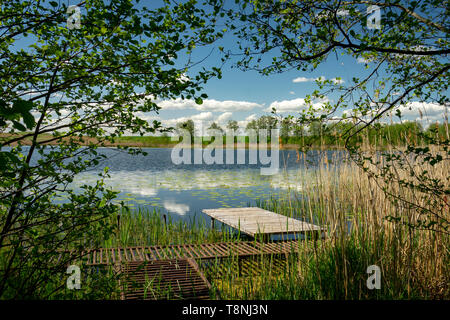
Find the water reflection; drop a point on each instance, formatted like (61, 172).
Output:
(178, 208)
(154, 181)
(184, 193)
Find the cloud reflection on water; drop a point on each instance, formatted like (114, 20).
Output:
(184, 193)
(146, 183)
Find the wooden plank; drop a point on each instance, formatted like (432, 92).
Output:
(212, 250)
(253, 221)
(219, 251)
(148, 252)
(157, 253)
(183, 277)
(133, 258)
(174, 249)
(113, 256)
(141, 256)
(188, 250)
(202, 251)
(195, 251)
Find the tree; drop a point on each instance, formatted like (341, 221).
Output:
(215, 126)
(252, 125)
(70, 84)
(232, 125)
(187, 125)
(286, 128)
(298, 130)
(406, 57)
(268, 123)
(315, 128)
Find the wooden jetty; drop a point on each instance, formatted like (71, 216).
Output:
(256, 221)
(163, 279)
(173, 268)
(203, 251)
(171, 271)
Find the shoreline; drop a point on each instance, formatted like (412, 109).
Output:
(165, 142)
(133, 142)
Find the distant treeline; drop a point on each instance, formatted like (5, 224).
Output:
(378, 134)
(315, 135)
(333, 134)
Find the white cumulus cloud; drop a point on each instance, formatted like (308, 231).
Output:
(430, 109)
(178, 208)
(224, 117)
(337, 81)
(287, 105)
(303, 79)
(295, 105)
(362, 60)
(208, 105)
(321, 78)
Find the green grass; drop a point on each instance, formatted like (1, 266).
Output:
(146, 227)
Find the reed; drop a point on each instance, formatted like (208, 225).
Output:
(414, 263)
(146, 227)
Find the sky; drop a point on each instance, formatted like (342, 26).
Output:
(247, 95)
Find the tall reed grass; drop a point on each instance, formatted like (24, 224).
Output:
(414, 263)
(146, 227)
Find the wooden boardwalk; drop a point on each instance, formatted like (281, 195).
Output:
(163, 279)
(204, 251)
(253, 221)
(172, 270)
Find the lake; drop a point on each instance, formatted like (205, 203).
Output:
(182, 191)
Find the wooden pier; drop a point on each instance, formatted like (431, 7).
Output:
(163, 279)
(204, 251)
(256, 221)
(173, 270)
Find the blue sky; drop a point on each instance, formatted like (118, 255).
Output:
(244, 96)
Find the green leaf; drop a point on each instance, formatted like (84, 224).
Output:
(7, 158)
(17, 125)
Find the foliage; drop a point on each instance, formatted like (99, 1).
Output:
(232, 125)
(406, 64)
(187, 125)
(66, 85)
(215, 126)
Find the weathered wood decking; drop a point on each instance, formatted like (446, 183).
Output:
(171, 272)
(204, 251)
(173, 268)
(163, 279)
(253, 221)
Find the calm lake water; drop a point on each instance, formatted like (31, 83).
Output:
(182, 191)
